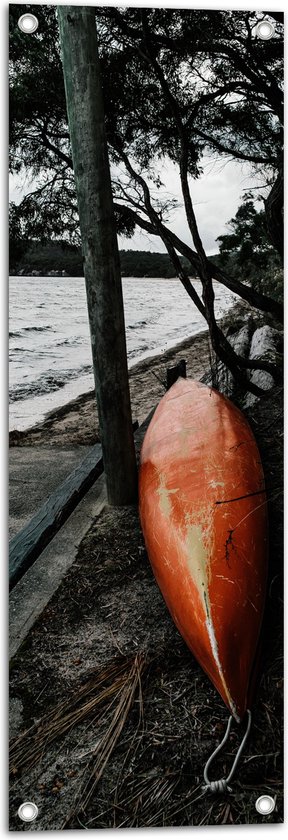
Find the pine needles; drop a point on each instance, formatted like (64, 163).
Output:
(116, 682)
(96, 766)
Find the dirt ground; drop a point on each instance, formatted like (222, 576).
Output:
(112, 718)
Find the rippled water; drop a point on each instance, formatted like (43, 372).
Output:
(50, 353)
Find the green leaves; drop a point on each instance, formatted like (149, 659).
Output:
(247, 252)
(225, 84)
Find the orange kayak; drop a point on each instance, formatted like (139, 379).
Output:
(204, 518)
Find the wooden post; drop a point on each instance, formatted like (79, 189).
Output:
(174, 373)
(78, 39)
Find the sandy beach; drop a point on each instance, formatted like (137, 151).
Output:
(77, 422)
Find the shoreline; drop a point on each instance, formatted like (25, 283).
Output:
(76, 422)
(45, 376)
(146, 381)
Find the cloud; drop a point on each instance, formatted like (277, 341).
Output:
(216, 196)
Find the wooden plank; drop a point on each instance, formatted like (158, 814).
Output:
(26, 546)
(34, 590)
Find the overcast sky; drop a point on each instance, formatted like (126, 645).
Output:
(216, 196)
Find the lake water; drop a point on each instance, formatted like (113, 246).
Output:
(50, 359)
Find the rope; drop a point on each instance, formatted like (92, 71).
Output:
(222, 785)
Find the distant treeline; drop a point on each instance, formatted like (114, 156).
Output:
(60, 257)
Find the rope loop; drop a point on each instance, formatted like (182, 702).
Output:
(222, 785)
(219, 786)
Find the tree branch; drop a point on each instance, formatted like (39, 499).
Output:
(61, 155)
(256, 299)
(221, 147)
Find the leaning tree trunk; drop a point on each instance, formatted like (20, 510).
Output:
(99, 245)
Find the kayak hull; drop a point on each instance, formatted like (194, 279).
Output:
(204, 517)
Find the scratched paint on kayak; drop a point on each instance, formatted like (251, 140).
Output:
(204, 518)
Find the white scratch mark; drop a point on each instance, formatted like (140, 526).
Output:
(222, 577)
(252, 605)
(215, 652)
(164, 497)
(214, 484)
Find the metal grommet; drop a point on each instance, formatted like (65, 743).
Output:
(28, 811)
(28, 23)
(265, 804)
(264, 30)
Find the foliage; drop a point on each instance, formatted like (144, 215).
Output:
(177, 84)
(58, 255)
(17, 243)
(248, 252)
(225, 83)
(223, 87)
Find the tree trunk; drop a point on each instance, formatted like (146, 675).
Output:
(80, 60)
(274, 213)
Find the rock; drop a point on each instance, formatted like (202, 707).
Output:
(221, 378)
(264, 345)
(240, 342)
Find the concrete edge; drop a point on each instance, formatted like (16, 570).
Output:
(35, 589)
